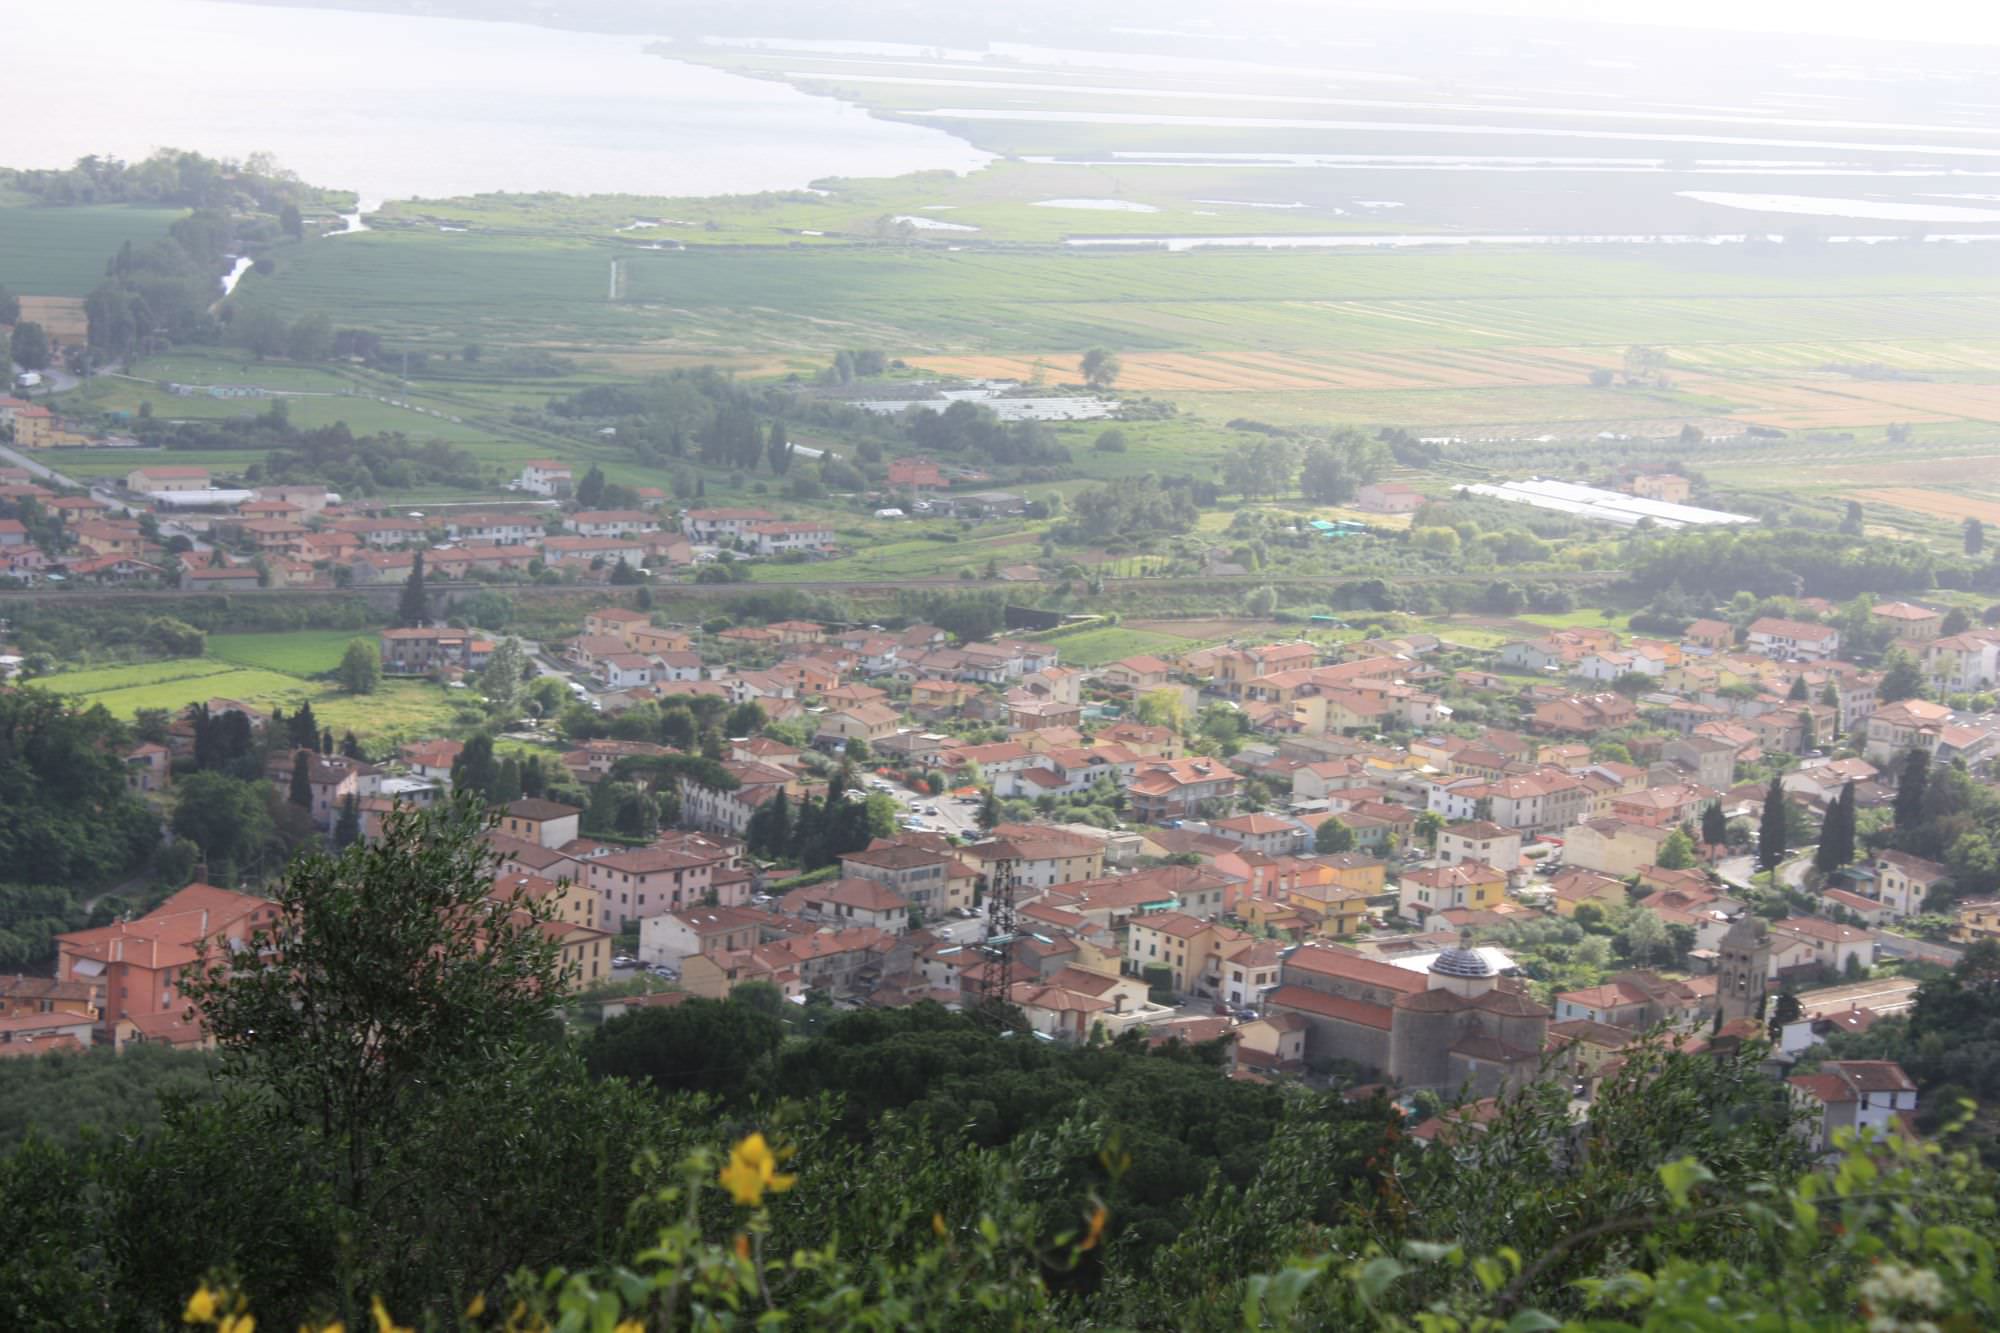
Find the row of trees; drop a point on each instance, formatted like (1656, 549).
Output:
(1327, 471)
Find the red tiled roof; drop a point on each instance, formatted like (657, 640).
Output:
(1307, 1000)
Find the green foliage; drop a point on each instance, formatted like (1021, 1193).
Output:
(69, 818)
(708, 1046)
(360, 670)
(1677, 852)
(1332, 837)
(63, 1097)
(1333, 469)
(228, 818)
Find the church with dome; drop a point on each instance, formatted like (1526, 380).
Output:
(1457, 1024)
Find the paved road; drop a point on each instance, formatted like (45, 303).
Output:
(47, 473)
(1737, 870)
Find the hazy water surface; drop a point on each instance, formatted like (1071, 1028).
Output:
(396, 106)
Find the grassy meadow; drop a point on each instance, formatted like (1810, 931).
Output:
(274, 670)
(63, 251)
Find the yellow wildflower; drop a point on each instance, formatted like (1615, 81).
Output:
(477, 1308)
(752, 1170)
(200, 1307)
(236, 1323)
(383, 1323)
(1096, 1232)
(629, 1326)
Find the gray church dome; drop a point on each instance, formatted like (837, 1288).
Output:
(1461, 962)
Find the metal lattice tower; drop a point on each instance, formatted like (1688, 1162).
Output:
(998, 985)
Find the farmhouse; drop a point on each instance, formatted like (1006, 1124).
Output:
(155, 480)
(546, 476)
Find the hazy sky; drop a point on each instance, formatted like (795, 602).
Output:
(1952, 21)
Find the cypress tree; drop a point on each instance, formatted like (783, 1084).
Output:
(1910, 785)
(302, 792)
(1847, 824)
(303, 728)
(326, 740)
(347, 828)
(1771, 830)
(413, 608)
(1714, 825)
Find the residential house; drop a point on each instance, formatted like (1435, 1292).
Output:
(1137, 674)
(616, 622)
(161, 479)
(1574, 886)
(1163, 789)
(778, 537)
(1853, 1095)
(1707, 760)
(1907, 724)
(1669, 487)
(1804, 640)
(547, 476)
(729, 811)
(1189, 948)
(850, 902)
(1616, 847)
(424, 650)
(1916, 624)
(610, 522)
(545, 823)
(1481, 841)
(1636, 1001)
(861, 722)
(1470, 885)
(1036, 856)
(670, 938)
(1903, 882)
(1586, 714)
(1835, 947)
(139, 963)
(931, 882)
(915, 474)
(1273, 835)
(714, 974)
(1389, 497)
(722, 525)
(1715, 636)
(147, 767)
(633, 885)
(1962, 663)
(593, 550)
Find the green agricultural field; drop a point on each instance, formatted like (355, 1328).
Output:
(1095, 647)
(296, 653)
(174, 686)
(400, 710)
(100, 681)
(63, 251)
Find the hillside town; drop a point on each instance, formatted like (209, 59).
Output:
(1302, 849)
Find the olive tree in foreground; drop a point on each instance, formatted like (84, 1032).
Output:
(381, 969)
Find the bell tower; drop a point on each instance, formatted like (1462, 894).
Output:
(1744, 969)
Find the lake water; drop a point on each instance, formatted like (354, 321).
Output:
(394, 106)
(1376, 241)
